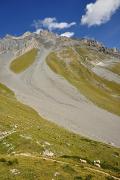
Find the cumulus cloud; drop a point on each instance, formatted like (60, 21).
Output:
(38, 31)
(68, 34)
(99, 12)
(51, 24)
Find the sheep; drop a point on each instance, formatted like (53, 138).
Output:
(97, 165)
(83, 161)
(97, 161)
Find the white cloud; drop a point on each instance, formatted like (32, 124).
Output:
(68, 34)
(38, 31)
(51, 24)
(99, 12)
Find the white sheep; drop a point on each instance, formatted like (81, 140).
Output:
(97, 165)
(97, 161)
(83, 161)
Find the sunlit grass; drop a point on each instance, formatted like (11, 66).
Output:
(31, 133)
(115, 68)
(100, 91)
(23, 62)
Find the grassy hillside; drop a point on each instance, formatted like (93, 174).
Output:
(75, 65)
(26, 139)
(29, 168)
(23, 62)
(115, 68)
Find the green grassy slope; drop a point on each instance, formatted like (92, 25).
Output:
(23, 62)
(40, 169)
(74, 67)
(28, 133)
(115, 68)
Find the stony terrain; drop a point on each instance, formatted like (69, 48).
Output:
(56, 99)
(73, 83)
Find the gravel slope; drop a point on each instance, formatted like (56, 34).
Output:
(58, 101)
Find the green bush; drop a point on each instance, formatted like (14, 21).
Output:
(11, 162)
(68, 169)
(78, 178)
(2, 160)
(89, 177)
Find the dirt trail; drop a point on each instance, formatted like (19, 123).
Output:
(66, 163)
(58, 101)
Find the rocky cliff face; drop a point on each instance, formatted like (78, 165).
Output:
(18, 44)
(100, 47)
(28, 40)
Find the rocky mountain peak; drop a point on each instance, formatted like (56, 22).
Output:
(48, 39)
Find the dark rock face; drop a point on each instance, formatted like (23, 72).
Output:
(93, 44)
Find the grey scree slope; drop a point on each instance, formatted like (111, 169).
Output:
(58, 101)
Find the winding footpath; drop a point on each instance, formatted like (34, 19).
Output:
(90, 168)
(58, 101)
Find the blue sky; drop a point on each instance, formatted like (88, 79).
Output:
(17, 16)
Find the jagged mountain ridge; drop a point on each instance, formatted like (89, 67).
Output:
(30, 40)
